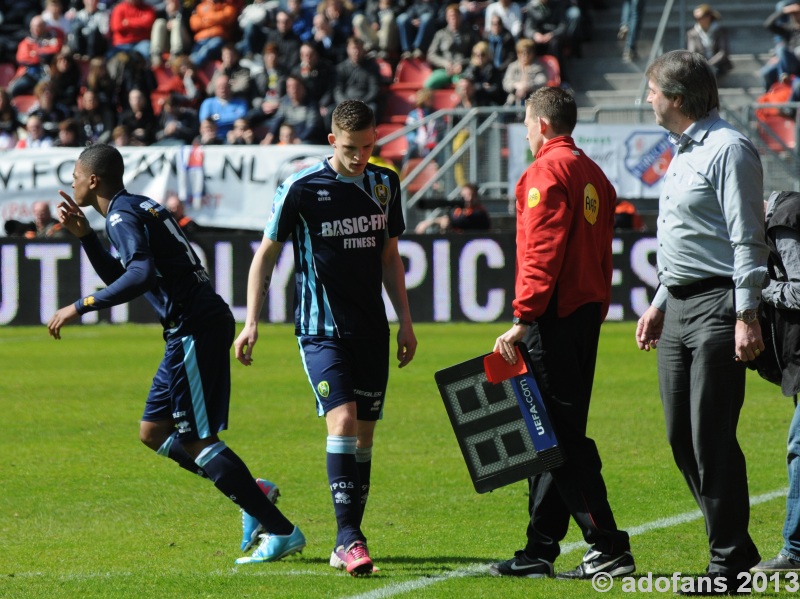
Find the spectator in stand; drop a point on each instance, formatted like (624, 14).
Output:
(242, 133)
(44, 225)
(788, 49)
(525, 75)
(209, 135)
(269, 88)
(423, 137)
(131, 24)
(501, 42)
(286, 135)
(96, 119)
(184, 82)
(377, 26)
(36, 136)
(174, 204)
(300, 112)
(330, 45)
(139, 119)
(471, 216)
(318, 75)
(302, 19)
(416, 27)
(358, 77)
(450, 50)
(213, 24)
(34, 54)
(254, 20)
(88, 36)
(287, 41)
(630, 24)
(177, 124)
(222, 108)
(509, 13)
(9, 121)
(17, 15)
(133, 72)
(69, 135)
(170, 33)
(472, 12)
(339, 14)
(487, 79)
(47, 109)
(709, 38)
(120, 136)
(553, 25)
(65, 78)
(626, 217)
(54, 18)
(99, 80)
(241, 82)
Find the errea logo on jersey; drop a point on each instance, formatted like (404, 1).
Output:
(323, 195)
(115, 219)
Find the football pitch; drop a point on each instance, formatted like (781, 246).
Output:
(87, 511)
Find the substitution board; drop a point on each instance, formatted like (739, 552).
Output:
(499, 419)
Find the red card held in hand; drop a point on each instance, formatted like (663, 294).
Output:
(498, 370)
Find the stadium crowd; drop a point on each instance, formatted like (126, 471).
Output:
(145, 72)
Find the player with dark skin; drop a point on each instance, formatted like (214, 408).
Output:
(187, 405)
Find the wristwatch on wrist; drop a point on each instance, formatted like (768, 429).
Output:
(747, 316)
(518, 320)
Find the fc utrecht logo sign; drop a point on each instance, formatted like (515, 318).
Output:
(647, 156)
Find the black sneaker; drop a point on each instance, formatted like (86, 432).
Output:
(595, 562)
(522, 565)
(777, 564)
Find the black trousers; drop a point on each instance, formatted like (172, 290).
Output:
(564, 352)
(702, 390)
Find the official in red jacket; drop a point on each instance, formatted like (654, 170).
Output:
(565, 222)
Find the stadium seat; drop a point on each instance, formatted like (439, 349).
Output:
(399, 102)
(444, 99)
(553, 69)
(428, 173)
(7, 71)
(412, 71)
(157, 98)
(396, 149)
(777, 131)
(24, 103)
(386, 71)
(163, 76)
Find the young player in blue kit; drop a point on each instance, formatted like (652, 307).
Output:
(188, 402)
(344, 216)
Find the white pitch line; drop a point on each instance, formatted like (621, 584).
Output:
(412, 585)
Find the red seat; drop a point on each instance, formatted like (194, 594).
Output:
(396, 149)
(163, 77)
(412, 70)
(444, 99)
(7, 71)
(428, 173)
(399, 102)
(553, 69)
(777, 131)
(157, 98)
(24, 103)
(386, 71)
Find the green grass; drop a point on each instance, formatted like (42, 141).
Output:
(87, 511)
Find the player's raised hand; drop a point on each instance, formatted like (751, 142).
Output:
(72, 217)
(244, 344)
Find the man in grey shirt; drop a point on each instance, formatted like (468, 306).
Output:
(712, 267)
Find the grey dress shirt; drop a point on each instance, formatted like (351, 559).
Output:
(711, 212)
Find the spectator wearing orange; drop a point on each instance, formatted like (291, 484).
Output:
(131, 24)
(34, 53)
(212, 22)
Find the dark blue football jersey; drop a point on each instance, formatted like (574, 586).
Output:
(155, 260)
(339, 227)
